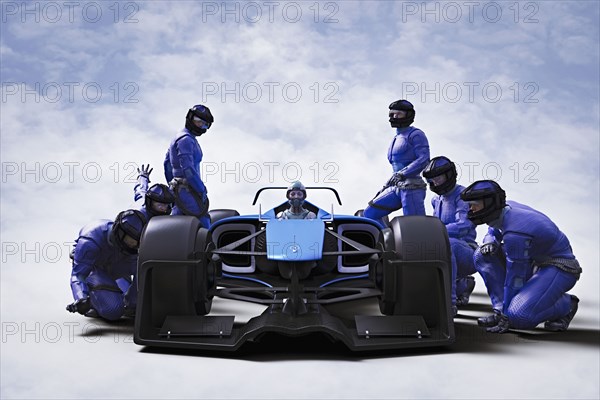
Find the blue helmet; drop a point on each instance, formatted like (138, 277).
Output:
(127, 230)
(156, 195)
(402, 114)
(198, 119)
(493, 201)
(440, 174)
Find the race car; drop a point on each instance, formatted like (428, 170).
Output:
(312, 275)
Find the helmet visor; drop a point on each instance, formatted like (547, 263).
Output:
(475, 205)
(397, 114)
(161, 208)
(130, 242)
(200, 123)
(437, 180)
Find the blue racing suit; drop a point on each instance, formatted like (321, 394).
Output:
(408, 154)
(140, 188)
(103, 272)
(182, 171)
(528, 276)
(139, 196)
(452, 211)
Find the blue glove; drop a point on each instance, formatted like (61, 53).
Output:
(145, 171)
(395, 179)
(501, 326)
(489, 320)
(488, 248)
(80, 306)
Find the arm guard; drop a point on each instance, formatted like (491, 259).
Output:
(168, 168)
(462, 224)
(78, 287)
(141, 187)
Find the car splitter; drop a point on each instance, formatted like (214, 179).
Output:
(365, 332)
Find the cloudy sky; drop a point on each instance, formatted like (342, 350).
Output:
(299, 90)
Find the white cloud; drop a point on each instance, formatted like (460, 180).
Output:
(370, 57)
(573, 33)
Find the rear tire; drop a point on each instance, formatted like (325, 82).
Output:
(216, 215)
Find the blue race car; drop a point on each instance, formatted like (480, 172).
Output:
(303, 271)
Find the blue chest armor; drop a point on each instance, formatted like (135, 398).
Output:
(183, 160)
(409, 151)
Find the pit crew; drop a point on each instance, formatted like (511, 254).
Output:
(441, 175)
(296, 194)
(157, 200)
(408, 154)
(526, 262)
(182, 166)
(104, 267)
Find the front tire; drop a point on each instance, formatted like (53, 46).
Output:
(174, 270)
(418, 283)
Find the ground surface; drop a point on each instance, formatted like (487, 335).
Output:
(53, 354)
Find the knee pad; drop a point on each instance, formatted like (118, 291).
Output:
(123, 284)
(105, 296)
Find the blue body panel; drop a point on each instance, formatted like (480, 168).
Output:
(295, 240)
(271, 215)
(322, 215)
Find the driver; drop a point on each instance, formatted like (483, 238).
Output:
(296, 194)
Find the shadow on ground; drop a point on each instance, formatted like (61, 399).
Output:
(470, 339)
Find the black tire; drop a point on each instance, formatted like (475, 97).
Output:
(178, 288)
(216, 215)
(418, 288)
